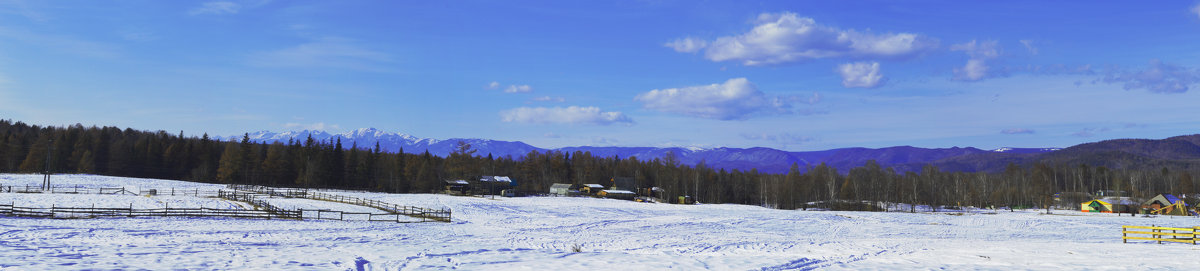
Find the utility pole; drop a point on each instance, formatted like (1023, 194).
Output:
(46, 177)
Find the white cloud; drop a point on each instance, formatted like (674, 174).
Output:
(976, 68)
(216, 8)
(784, 37)
(975, 49)
(1196, 10)
(735, 99)
(1016, 131)
(1029, 46)
(1089, 132)
(518, 89)
(549, 99)
(311, 126)
(604, 141)
(860, 74)
(1159, 77)
(564, 115)
(493, 85)
(687, 45)
(785, 138)
(328, 52)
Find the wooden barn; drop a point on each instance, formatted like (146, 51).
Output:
(591, 189)
(458, 187)
(1096, 206)
(624, 183)
(653, 192)
(617, 194)
(1165, 204)
(493, 185)
(563, 189)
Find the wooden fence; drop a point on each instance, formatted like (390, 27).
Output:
(425, 214)
(110, 191)
(1160, 234)
(259, 203)
(251, 194)
(86, 212)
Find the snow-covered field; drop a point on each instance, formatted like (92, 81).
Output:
(541, 233)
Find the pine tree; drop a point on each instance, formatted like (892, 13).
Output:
(35, 159)
(87, 163)
(230, 165)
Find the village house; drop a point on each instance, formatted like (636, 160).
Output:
(563, 189)
(458, 187)
(591, 189)
(616, 194)
(493, 185)
(1165, 204)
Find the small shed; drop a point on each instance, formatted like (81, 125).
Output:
(617, 194)
(493, 185)
(1096, 206)
(1122, 204)
(591, 189)
(458, 187)
(654, 192)
(563, 189)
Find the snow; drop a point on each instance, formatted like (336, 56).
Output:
(542, 233)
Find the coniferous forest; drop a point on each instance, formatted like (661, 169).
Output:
(335, 164)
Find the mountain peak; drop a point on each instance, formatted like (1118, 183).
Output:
(760, 158)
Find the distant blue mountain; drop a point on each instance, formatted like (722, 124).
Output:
(761, 159)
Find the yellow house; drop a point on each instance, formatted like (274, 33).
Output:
(1096, 206)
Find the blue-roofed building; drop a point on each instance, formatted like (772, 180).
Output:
(1165, 204)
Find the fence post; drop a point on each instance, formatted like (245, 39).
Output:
(1123, 235)
(1156, 236)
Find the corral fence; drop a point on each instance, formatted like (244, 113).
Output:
(340, 215)
(425, 214)
(251, 194)
(1160, 234)
(258, 203)
(91, 212)
(110, 191)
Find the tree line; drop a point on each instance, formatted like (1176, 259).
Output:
(337, 164)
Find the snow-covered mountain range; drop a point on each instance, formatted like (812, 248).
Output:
(762, 159)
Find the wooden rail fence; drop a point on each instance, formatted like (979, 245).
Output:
(89, 212)
(110, 190)
(251, 194)
(258, 203)
(1159, 234)
(425, 214)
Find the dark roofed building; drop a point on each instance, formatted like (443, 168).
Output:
(458, 187)
(624, 183)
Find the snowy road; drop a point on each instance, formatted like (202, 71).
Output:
(542, 233)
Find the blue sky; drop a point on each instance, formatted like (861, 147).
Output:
(793, 75)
